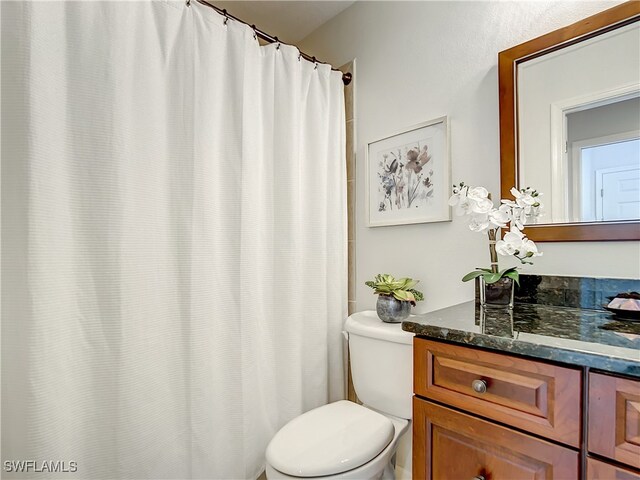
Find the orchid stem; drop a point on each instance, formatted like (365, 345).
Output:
(492, 250)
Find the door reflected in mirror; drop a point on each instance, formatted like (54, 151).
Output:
(603, 155)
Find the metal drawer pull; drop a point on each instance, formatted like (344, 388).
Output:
(479, 386)
(479, 477)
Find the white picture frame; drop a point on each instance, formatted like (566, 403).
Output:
(409, 176)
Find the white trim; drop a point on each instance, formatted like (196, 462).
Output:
(558, 125)
(576, 190)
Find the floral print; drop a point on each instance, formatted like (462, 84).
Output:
(404, 178)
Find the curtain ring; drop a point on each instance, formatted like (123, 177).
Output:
(226, 17)
(255, 35)
(299, 55)
(315, 62)
(188, 3)
(278, 45)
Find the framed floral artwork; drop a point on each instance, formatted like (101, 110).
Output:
(409, 176)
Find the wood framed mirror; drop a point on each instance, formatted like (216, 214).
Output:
(557, 92)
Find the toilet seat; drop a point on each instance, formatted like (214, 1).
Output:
(329, 440)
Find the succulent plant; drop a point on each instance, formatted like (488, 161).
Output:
(401, 289)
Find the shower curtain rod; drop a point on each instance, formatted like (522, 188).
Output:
(346, 76)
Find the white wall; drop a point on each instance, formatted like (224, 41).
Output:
(421, 60)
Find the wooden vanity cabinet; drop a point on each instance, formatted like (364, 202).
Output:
(482, 415)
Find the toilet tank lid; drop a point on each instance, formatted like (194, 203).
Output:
(368, 324)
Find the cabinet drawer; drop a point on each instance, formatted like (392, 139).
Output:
(597, 470)
(534, 396)
(448, 444)
(614, 418)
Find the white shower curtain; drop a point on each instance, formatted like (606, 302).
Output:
(173, 240)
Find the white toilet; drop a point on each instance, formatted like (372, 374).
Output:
(344, 440)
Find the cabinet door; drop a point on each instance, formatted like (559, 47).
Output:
(614, 418)
(597, 470)
(451, 445)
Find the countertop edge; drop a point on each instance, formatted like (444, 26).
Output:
(576, 358)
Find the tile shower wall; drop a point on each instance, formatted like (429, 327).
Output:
(351, 204)
(351, 184)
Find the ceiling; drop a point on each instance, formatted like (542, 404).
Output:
(290, 21)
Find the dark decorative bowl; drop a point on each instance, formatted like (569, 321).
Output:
(620, 314)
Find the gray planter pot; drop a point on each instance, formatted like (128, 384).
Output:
(392, 310)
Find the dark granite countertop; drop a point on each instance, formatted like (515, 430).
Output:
(573, 336)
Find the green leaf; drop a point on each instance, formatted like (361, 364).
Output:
(490, 277)
(407, 283)
(404, 296)
(400, 295)
(472, 275)
(513, 274)
(417, 294)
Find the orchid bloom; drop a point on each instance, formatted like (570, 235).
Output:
(500, 217)
(485, 217)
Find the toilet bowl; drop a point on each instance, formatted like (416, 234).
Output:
(347, 441)
(344, 440)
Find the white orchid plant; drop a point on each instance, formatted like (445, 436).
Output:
(487, 218)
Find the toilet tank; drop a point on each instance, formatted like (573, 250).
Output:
(381, 359)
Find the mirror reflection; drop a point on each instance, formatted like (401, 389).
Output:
(579, 128)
